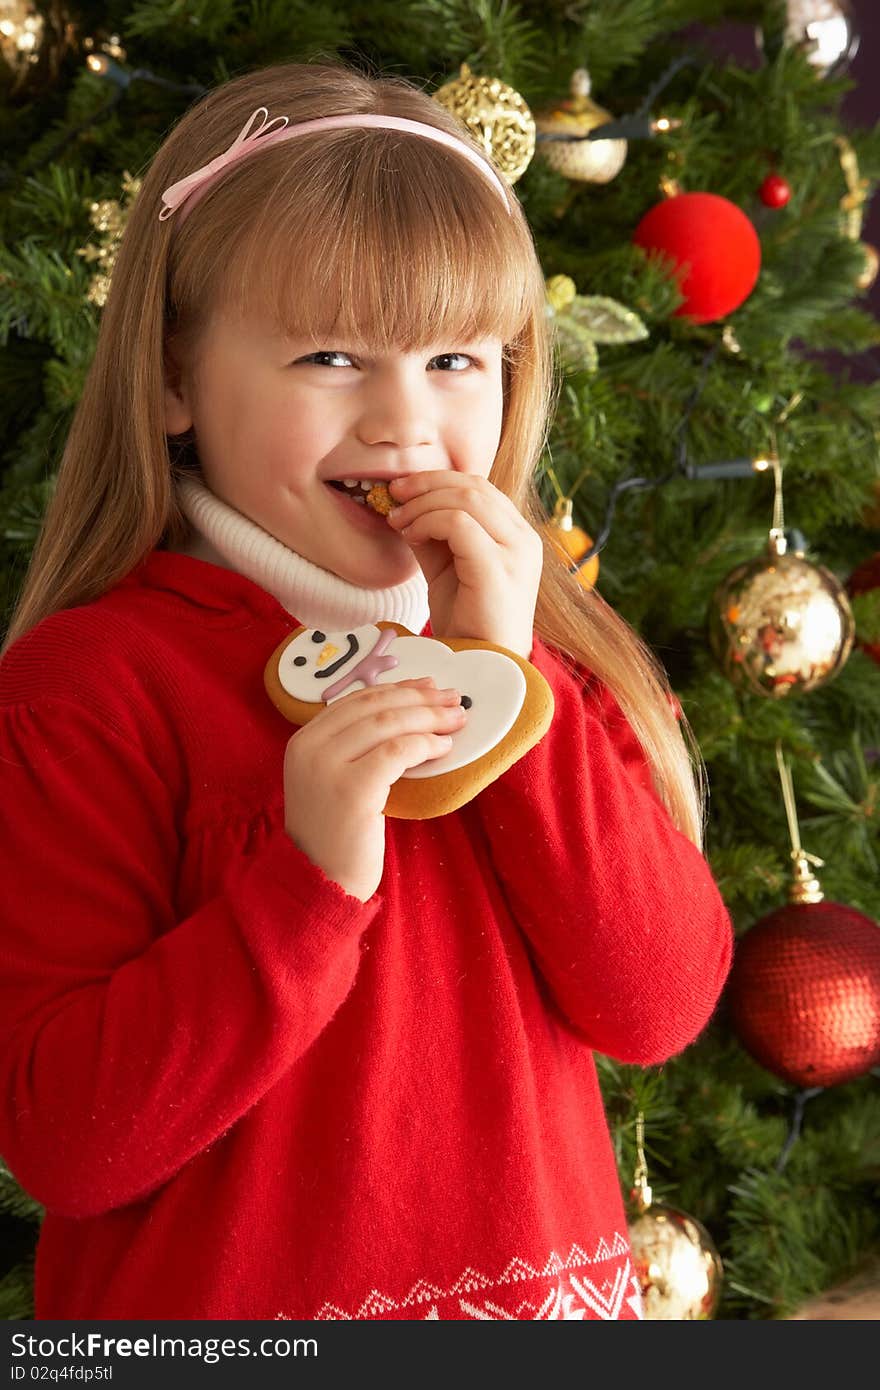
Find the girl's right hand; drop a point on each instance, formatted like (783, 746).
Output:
(340, 767)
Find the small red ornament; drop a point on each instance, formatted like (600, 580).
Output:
(862, 580)
(775, 191)
(804, 993)
(713, 246)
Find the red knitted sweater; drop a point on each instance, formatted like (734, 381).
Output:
(239, 1092)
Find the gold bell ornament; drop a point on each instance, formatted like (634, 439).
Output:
(496, 116)
(677, 1265)
(582, 161)
(779, 624)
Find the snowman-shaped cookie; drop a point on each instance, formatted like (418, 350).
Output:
(509, 703)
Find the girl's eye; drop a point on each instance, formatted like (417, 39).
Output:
(460, 356)
(330, 352)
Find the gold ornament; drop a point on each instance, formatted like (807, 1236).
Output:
(496, 116)
(779, 624)
(108, 217)
(580, 321)
(572, 542)
(677, 1265)
(852, 204)
(21, 32)
(852, 211)
(583, 161)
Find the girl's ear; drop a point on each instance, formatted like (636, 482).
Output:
(178, 411)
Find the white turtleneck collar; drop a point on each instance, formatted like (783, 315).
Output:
(314, 596)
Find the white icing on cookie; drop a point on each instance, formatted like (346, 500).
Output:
(322, 667)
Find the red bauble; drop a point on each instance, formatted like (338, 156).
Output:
(775, 191)
(862, 580)
(714, 247)
(804, 993)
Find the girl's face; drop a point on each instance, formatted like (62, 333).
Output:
(276, 420)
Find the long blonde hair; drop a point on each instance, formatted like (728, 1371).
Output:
(375, 235)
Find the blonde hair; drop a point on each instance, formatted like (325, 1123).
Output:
(362, 209)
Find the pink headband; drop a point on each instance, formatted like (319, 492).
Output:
(190, 189)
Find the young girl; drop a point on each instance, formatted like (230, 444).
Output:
(265, 1053)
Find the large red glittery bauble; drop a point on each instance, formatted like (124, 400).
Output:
(862, 580)
(804, 993)
(714, 247)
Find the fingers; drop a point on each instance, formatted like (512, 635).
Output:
(471, 497)
(342, 714)
(465, 536)
(340, 766)
(401, 734)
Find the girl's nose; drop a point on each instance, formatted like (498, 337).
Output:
(396, 413)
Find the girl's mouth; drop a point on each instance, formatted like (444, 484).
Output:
(354, 504)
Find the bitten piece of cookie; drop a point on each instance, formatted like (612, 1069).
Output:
(380, 499)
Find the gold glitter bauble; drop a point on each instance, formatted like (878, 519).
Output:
(780, 624)
(677, 1265)
(584, 161)
(497, 118)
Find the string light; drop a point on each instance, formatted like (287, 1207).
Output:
(635, 127)
(639, 125)
(707, 472)
(102, 65)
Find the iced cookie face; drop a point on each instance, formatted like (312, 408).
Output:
(319, 667)
(509, 703)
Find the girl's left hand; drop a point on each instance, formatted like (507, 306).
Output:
(481, 558)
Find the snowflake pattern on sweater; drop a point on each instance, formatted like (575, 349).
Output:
(602, 1288)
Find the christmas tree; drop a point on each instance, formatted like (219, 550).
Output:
(712, 470)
